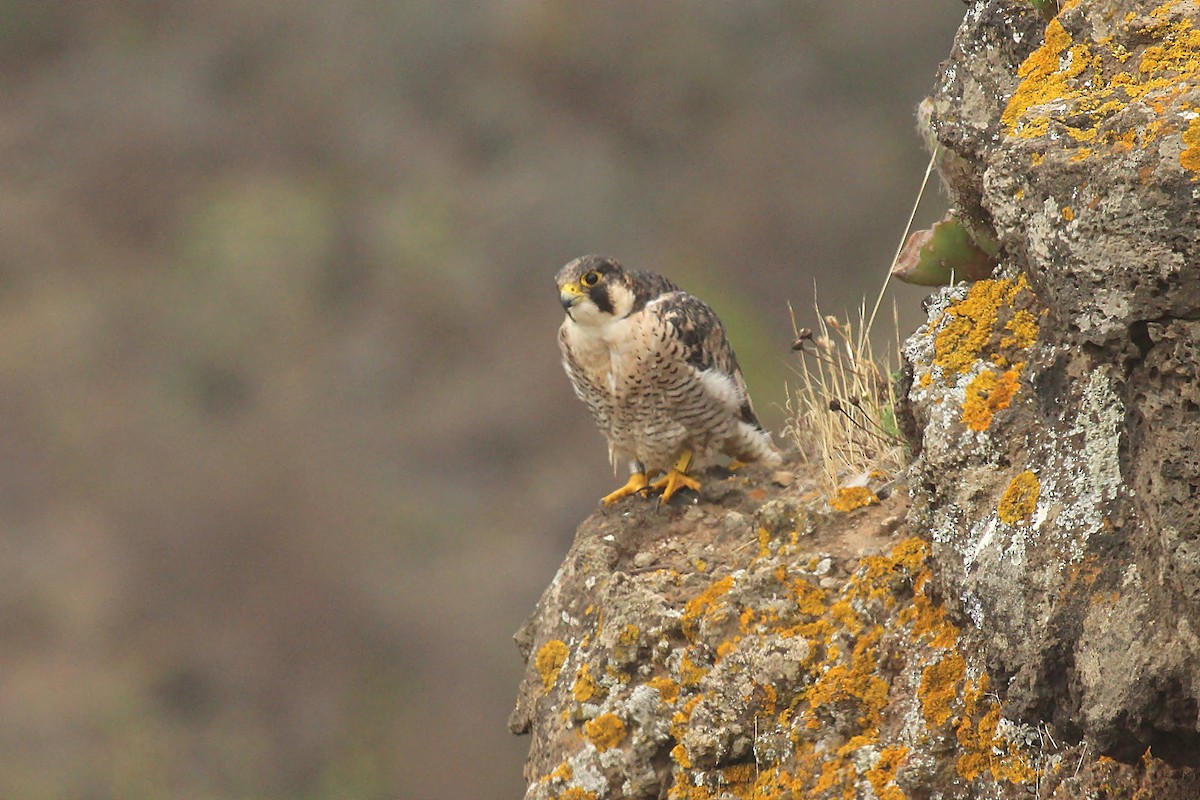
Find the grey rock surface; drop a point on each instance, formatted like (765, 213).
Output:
(1086, 600)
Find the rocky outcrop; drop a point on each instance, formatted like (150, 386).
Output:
(1024, 619)
(1057, 406)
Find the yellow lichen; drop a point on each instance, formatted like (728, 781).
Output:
(575, 793)
(986, 750)
(728, 646)
(628, 637)
(585, 689)
(707, 604)
(810, 599)
(848, 498)
(549, 660)
(1068, 213)
(986, 394)
(690, 673)
(1019, 499)
(764, 544)
(939, 688)
(560, 774)
(1021, 330)
(668, 689)
(846, 686)
(1189, 159)
(605, 731)
(854, 682)
(882, 776)
(1079, 87)
(966, 328)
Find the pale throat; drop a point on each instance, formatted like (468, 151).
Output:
(599, 339)
(587, 315)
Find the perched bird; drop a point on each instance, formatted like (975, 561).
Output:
(654, 367)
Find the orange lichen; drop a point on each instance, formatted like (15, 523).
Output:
(983, 748)
(559, 775)
(1019, 499)
(764, 544)
(1044, 75)
(575, 793)
(810, 599)
(986, 394)
(846, 686)
(1189, 159)
(854, 683)
(605, 731)
(849, 498)
(882, 776)
(939, 688)
(1021, 330)
(707, 604)
(679, 755)
(728, 646)
(585, 689)
(966, 328)
(690, 673)
(1068, 213)
(668, 689)
(1077, 86)
(549, 660)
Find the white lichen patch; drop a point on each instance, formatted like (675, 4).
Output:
(1102, 416)
(585, 772)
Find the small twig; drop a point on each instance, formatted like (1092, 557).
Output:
(836, 406)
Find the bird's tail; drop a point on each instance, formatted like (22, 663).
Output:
(753, 445)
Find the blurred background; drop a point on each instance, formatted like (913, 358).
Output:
(288, 454)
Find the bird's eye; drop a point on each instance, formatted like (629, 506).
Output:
(590, 278)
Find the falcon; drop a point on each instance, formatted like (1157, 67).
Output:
(652, 364)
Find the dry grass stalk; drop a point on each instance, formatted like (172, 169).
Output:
(842, 413)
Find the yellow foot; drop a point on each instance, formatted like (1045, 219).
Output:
(672, 482)
(637, 483)
(676, 478)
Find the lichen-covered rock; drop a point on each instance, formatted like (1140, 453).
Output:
(696, 654)
(1034, 628)
(1080, 149)
(1055, 409)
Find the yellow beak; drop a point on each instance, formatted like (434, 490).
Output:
(569, 294)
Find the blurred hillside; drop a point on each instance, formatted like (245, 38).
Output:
(288, 453)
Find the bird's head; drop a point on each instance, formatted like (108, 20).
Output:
(594, 290)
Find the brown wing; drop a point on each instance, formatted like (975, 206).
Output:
(705, 346)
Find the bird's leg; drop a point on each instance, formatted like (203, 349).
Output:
(676, 478)
(637, 483)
